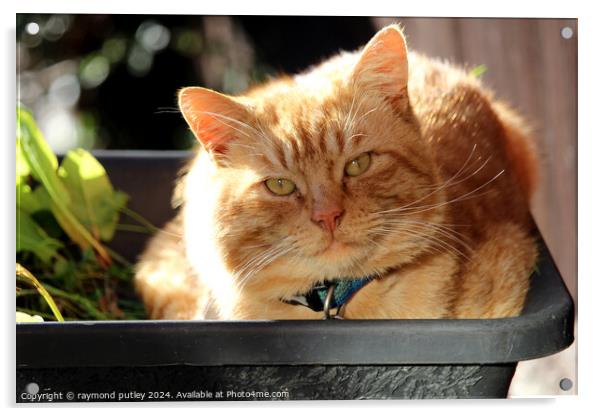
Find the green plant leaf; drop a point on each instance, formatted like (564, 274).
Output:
(28, 200)
(44, 165)
(94, 201)
(26, 275)
(478, 70)
(23, 170)
(45, 219)
(30, 237)
(33, 147)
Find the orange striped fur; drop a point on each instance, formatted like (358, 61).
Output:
(441, 214)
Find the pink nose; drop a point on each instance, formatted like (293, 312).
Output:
(327, 218)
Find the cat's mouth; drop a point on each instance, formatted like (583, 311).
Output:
(339, 250)
(335, 248)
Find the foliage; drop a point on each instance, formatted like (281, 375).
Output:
(65, 214)
(478, 70)
(23, 273)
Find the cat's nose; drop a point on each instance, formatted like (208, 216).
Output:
(328, 218)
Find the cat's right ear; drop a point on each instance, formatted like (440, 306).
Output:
(214, 118)
(383, 65)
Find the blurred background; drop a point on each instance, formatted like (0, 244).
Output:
(110, 82)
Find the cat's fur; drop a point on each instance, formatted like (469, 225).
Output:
(441, 215)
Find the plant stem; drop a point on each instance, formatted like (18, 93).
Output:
(121, 260)
(27, 292)
(32, 313)
(133, 228)
(85, 303)
(27, 276)
(140, 219)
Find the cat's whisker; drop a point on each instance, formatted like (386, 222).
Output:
(471, 175)
(426, 208)
(446, 227)
(451, 247)
(354, 121)
(459, 172)
(360, 267)
(236, 144)
(218, 117)
(373, 242)
(245, 146)
(439, 187)
(356, 135)
(221, 117)
(432, 239)
(246, 271)
(423, 208)
(402, 225)
(233, 120)
(431, 247)
(259, 245)
(257, 258)
(452, 234)
(258, 262)
(262, 133)
(266, 260)
(446, 233)
(230, 232)
(347, 119)
(364, 115)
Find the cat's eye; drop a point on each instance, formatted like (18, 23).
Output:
(358, 165)
(280, 186)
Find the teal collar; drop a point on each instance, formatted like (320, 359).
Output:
(344, 289)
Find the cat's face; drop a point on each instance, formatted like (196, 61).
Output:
(321, 176)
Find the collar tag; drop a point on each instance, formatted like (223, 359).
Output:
(344, 289)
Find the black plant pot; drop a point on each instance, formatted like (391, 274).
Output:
(282, 360)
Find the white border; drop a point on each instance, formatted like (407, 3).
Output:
(589, 162)
(438, 8)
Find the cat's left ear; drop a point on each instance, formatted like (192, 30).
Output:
(214, 118)
(383, 65)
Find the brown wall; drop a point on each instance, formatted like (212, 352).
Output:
(534, 68)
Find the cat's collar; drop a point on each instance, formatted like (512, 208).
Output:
(332, 294)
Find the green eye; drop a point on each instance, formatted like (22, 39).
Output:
(280, 186)
(358, 165)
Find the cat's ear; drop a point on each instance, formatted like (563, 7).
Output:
(214, 118)
(383, 64)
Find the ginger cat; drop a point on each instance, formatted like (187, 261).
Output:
(381, 167)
